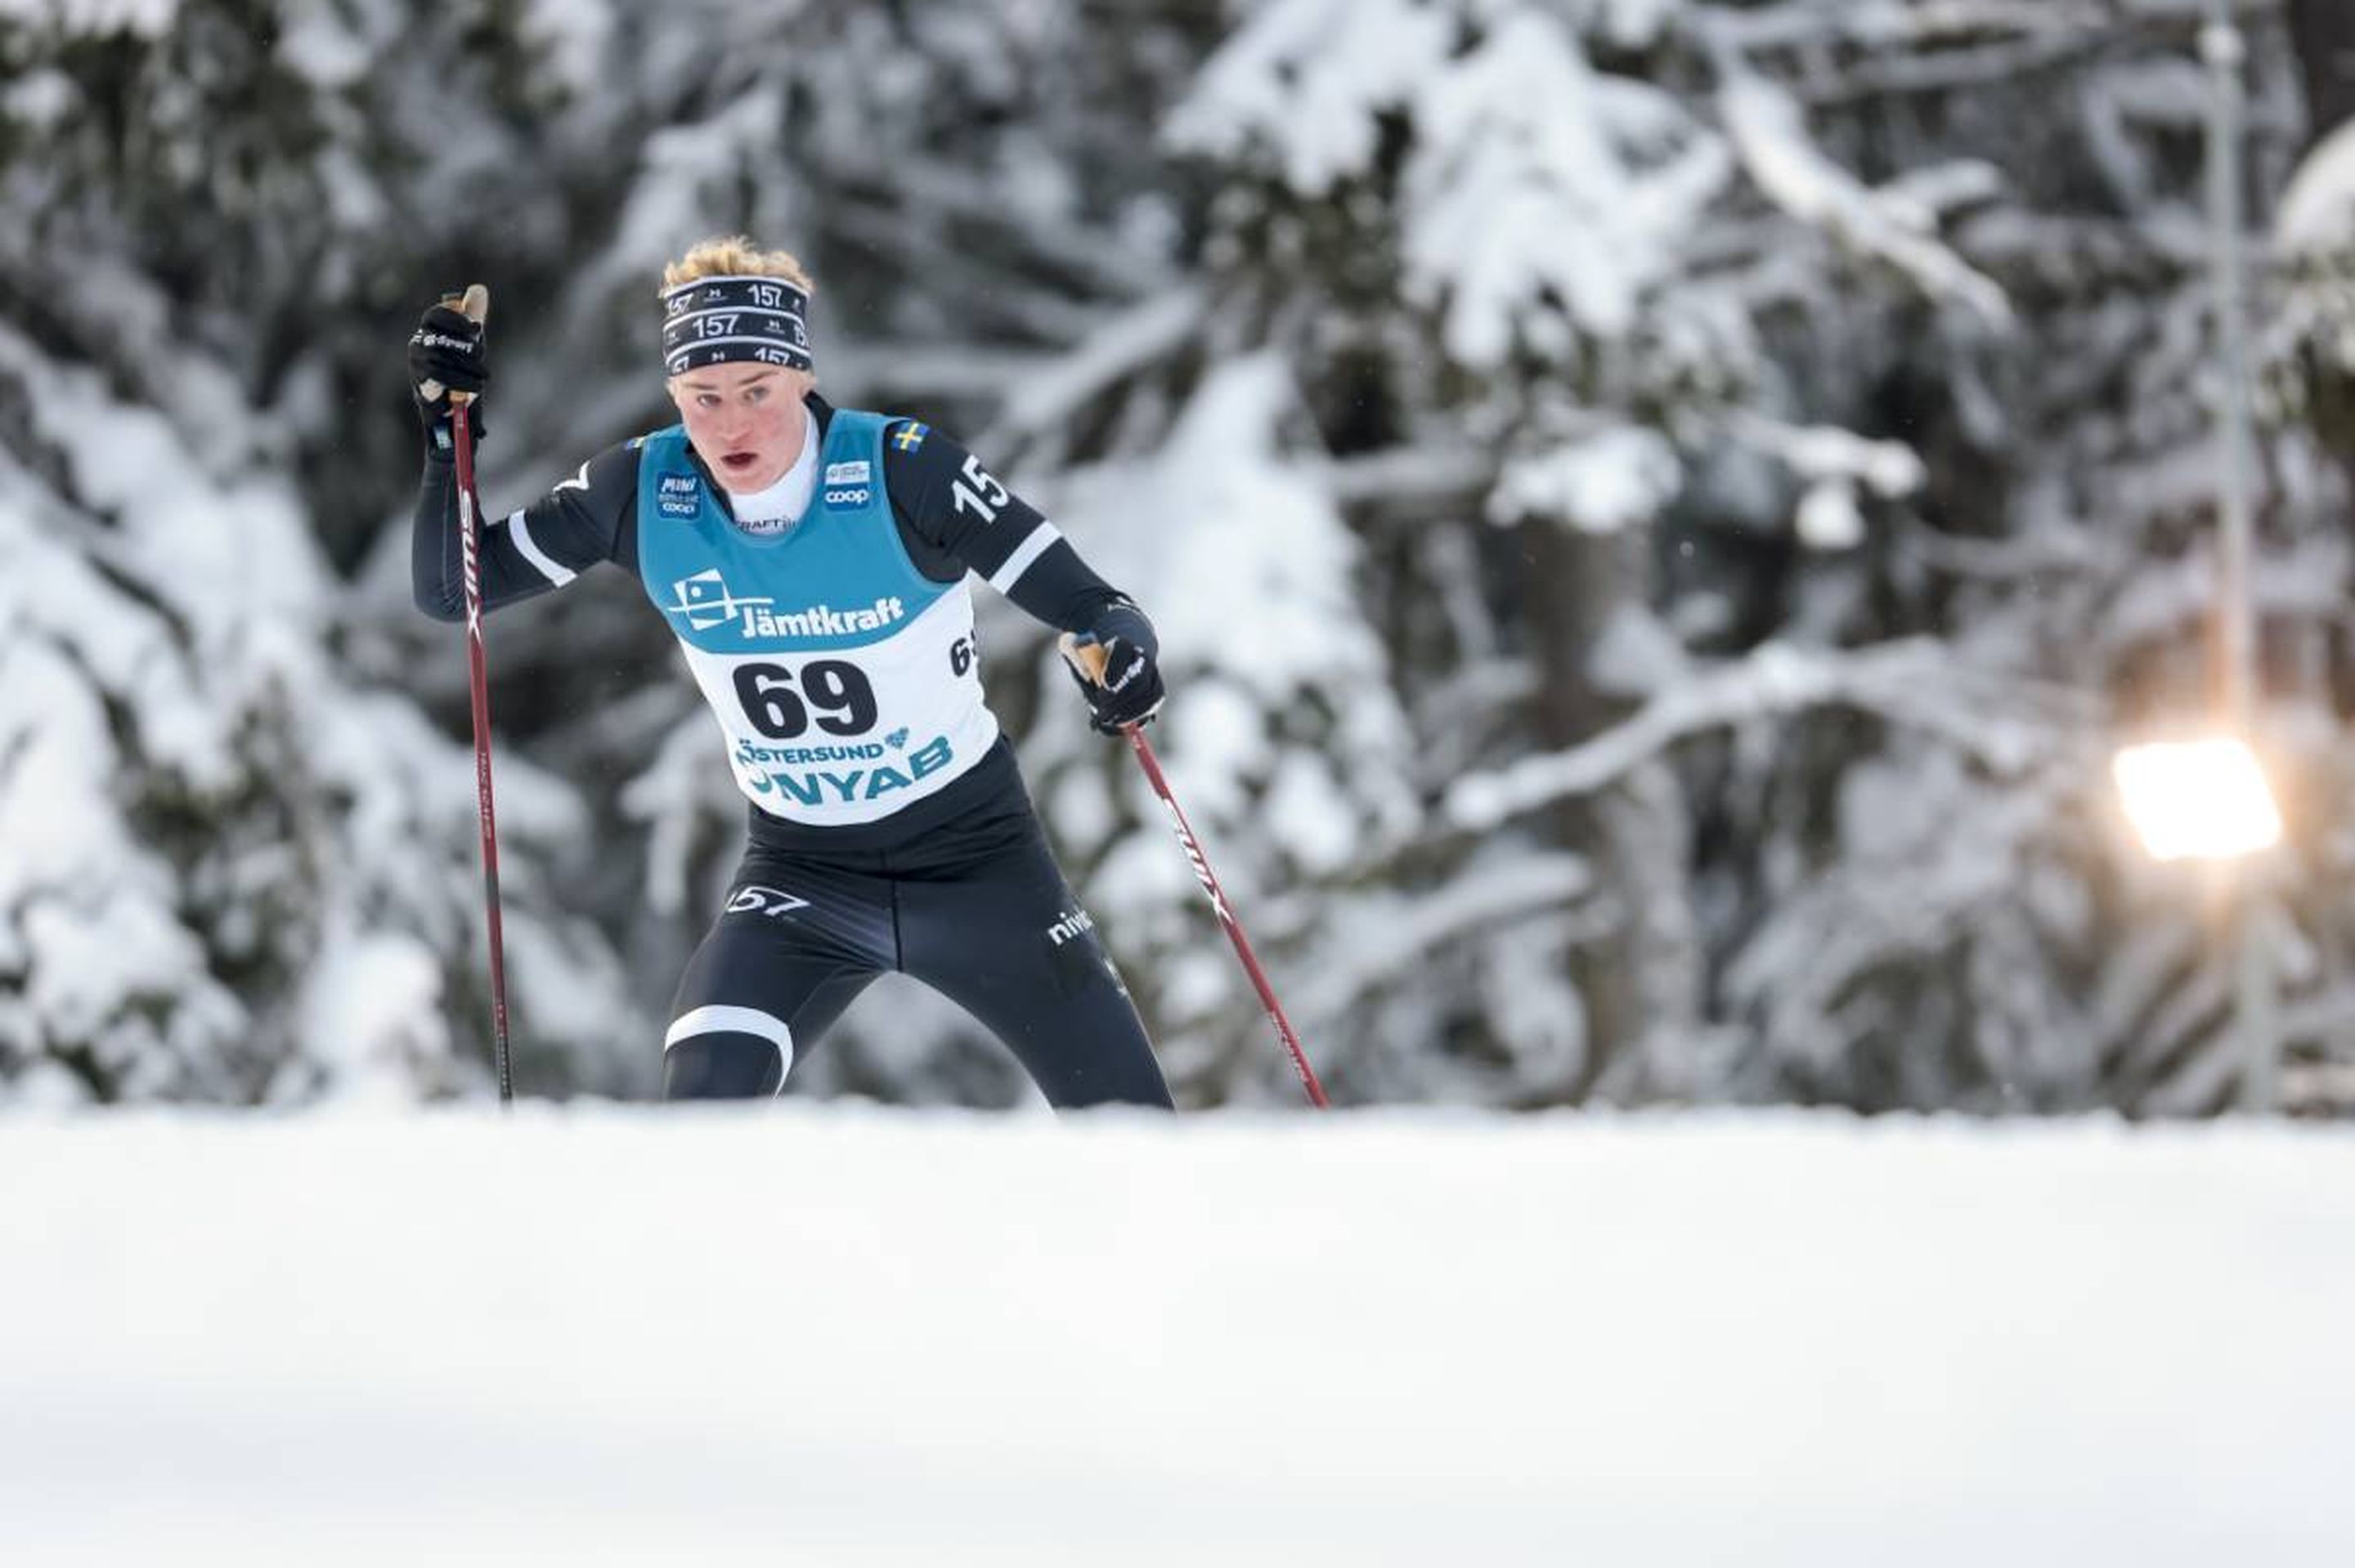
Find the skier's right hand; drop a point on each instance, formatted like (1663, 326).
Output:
(1118, 677)
(445, 355)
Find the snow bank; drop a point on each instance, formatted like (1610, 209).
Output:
(814, 1335)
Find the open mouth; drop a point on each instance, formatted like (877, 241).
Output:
(737, 462)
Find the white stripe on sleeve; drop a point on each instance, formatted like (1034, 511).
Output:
(549, 566)
(1004, 579)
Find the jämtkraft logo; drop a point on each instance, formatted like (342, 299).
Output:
(706, 603)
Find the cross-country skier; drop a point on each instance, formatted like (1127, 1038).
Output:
(810, 561)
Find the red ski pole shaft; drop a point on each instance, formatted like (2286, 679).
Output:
(1209, 881)
(1089, 661)
(477, 306)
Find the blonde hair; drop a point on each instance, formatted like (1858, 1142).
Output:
(735, 256)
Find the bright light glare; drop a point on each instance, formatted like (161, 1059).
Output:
(2204, 799)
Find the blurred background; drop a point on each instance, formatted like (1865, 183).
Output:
(1659, 514)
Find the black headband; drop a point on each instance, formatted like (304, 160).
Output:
(721, 321)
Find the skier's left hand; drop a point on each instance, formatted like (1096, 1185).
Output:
(1120, 680)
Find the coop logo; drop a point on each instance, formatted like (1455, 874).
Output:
(678, 495)
(858, 496)
(706, 603)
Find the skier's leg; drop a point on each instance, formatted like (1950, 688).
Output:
(792, 948)
(739, 1050)
(1005, 938)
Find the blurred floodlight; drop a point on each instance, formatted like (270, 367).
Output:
(2204, 799)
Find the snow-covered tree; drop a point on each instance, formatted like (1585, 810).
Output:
(232, 866)
(1779, 434)
(1657, 512)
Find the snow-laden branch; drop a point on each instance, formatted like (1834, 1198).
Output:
(1306, 80)
(1832, 465)
(1770, 134)
(1052, 393)
(2317, 220)
(1378, 939)
(2086, 250)
(932, 367)
(1950, 71)
(1413, 476)
(1913, 683)
(1886, 28)
(2056, 547)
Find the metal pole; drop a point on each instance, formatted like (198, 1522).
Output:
(2224, 51)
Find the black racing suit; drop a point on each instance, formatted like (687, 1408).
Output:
(958, 889)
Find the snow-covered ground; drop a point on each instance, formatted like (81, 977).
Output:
(820, 1335)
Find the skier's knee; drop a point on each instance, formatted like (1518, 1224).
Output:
(726, 1053)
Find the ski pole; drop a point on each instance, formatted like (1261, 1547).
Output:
(476, 307)
(1089, 660)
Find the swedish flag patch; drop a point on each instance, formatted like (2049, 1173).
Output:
(911, 436)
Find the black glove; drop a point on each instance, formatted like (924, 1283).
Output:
(1130, 691)
(447, 349)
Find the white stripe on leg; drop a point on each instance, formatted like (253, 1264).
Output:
(736, 1021)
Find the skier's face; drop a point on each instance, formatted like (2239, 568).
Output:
(745, 421)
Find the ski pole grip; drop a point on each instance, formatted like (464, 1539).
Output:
(474, 304)
(1088, 658)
